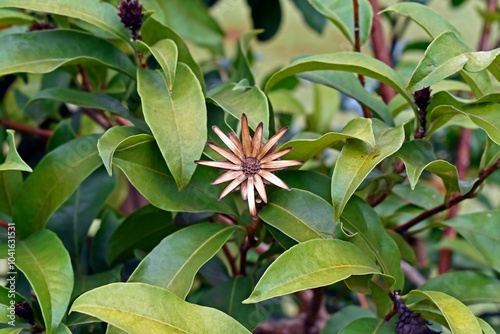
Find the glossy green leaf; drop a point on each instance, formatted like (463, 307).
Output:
(176, 260)
(469, 287)
(71, 222)
(343, 317)
(284, 102)
(250, 100)
(153, 31)
(10, 330)
(98, 13)
(10, 16)
(357, 160)
(312, 181)
(143, 309)
(287, 274)
(166, 53)
(299, 214)
(145, 168)
(47, 266)
(190, 19)
(405, 249)
(10, 184)
(311, 16)
(13, 161)
(90, 282)
(304, 149)
(143, 229)
(44, 51)
(176, 117)
(423, 195)
(436, 65)
(88, 100)
(119, 137)
(368, 326)
(460, 319)
(62, 134)
(485, 327)
(369, 234)
(418, 155)
(345, 61)
(448, 110)
(242, 63)
(266, 15)
(348, 84)
(481, 231)
(227, 297)
(109, 223)
(55, 178)
(341, 13)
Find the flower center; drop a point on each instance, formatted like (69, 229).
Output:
(251, 166)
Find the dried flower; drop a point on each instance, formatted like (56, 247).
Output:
(409, 322)
(41, 25)
(422, 98)
(250, 163)
(131, 16)
(24, 311)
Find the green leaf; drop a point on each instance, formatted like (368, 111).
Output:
(143, 230)
(460, 319)
(356, 161)
(8, 299)
(436, 65)
(304, 149)
(418, 155)
(485, 327)
(266, 15)
(469, 287)
(481, 231)
(145, 168)
(448, 110)
(98, 13)
(10, 185)
(343, 317)
(311, 16)
(242, 63)
(299, 214)
(406, 251)
(345, 61)
(176, 260)
(71, 222)
(250, 100)
(14, 17)
(348, 84)
(176, 117)
(166, 53)
(153, 31)
(433, 23)
(62, 134)
(109, 223)
(368, 326)
(142, 309)
(423, 195)
(87, 283)
(369, 234)
(47, 266)
(312, 181)
(10, 330)
(287, 274)
(341, 13)
(44, 51)
(13, 161)
(119, 137)
(227, 297)
(190, 19)
(55, 178)
(88, 100)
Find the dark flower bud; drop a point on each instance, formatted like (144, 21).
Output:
(24, 311)
(422, 97)
(41, 25)
(131, 16)
(409, 322)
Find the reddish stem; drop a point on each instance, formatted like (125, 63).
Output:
(28, 129)
(381, 50)
(231, 260)
(357, 48)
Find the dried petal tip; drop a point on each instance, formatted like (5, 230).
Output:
(409, 321)
(41, 25)
(131, 16)
(422, 97)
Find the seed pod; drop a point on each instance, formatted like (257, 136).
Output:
(131, 16)
(409, 322)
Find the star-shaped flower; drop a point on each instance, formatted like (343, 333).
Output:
(250, 163)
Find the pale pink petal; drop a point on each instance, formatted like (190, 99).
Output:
(271, 142)
(226, 177)
(245, 136)
(224, 164)
(276, 155)
(244, 193)
(281, 164)
(225, 153)
(274, 179)
(257, 140)
(236, 182)
(229, 143)
(251, 197)
(259, 185)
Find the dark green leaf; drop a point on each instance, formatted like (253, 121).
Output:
(10, 17)
(109, 223)
(343, 317)
(312, 17)
(10, 184)
(266, 15)
(62, 134)
(87, 283)
(368, 326)
(314, 182)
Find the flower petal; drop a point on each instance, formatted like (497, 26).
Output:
(259, 185)
(244, 193)
(224, 164)
(236, 182)
(229, 143)
(245, 136)
(281, 163)
(225, 153)
(276, 155)
(227, 176)
(251, 197)
(274, 179)
(257, 140)
(271, 142)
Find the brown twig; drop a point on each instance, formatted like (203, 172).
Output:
(97, 115)
(230, 259)
(24, 128)
(250, 241)
(357, 48)
(483, 175)
(313, 310)
(381, 50)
